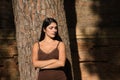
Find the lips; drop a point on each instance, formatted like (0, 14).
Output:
(54, 33)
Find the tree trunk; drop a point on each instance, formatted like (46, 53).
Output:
(29, 15)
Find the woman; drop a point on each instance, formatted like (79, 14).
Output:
(49, 52)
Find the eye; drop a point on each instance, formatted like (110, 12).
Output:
(51, 27)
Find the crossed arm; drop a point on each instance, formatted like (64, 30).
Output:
(51, 63)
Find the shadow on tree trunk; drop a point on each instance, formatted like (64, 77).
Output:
(106, 50)
(69, 6)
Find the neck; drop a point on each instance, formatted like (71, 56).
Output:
(48, 39)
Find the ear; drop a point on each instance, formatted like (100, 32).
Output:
(44, 30)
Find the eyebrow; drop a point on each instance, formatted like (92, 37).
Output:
(53, 26)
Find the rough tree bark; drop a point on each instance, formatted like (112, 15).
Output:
(29, 15)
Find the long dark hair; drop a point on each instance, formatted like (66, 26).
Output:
(47, 22)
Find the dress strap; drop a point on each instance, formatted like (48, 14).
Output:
(38, 45)
(58, 44)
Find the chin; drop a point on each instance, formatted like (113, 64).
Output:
(53, 37)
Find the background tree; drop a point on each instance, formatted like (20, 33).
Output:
(29, 15)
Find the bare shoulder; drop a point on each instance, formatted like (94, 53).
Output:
(61, 44)
(35, 45)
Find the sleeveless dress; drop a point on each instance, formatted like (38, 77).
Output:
(50, 74)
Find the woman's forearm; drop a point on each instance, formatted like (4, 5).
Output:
(56, 64)
(43, 63)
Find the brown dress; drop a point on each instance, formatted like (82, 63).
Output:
(50, 74)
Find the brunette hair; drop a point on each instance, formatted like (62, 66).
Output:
(46, 23)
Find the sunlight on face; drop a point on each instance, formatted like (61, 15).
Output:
(51, 30)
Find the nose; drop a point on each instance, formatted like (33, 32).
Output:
(54, 29)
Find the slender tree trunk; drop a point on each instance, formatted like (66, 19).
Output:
(29, 15)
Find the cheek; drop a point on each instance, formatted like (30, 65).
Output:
(47, 31)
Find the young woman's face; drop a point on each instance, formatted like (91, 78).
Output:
(51, 30)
